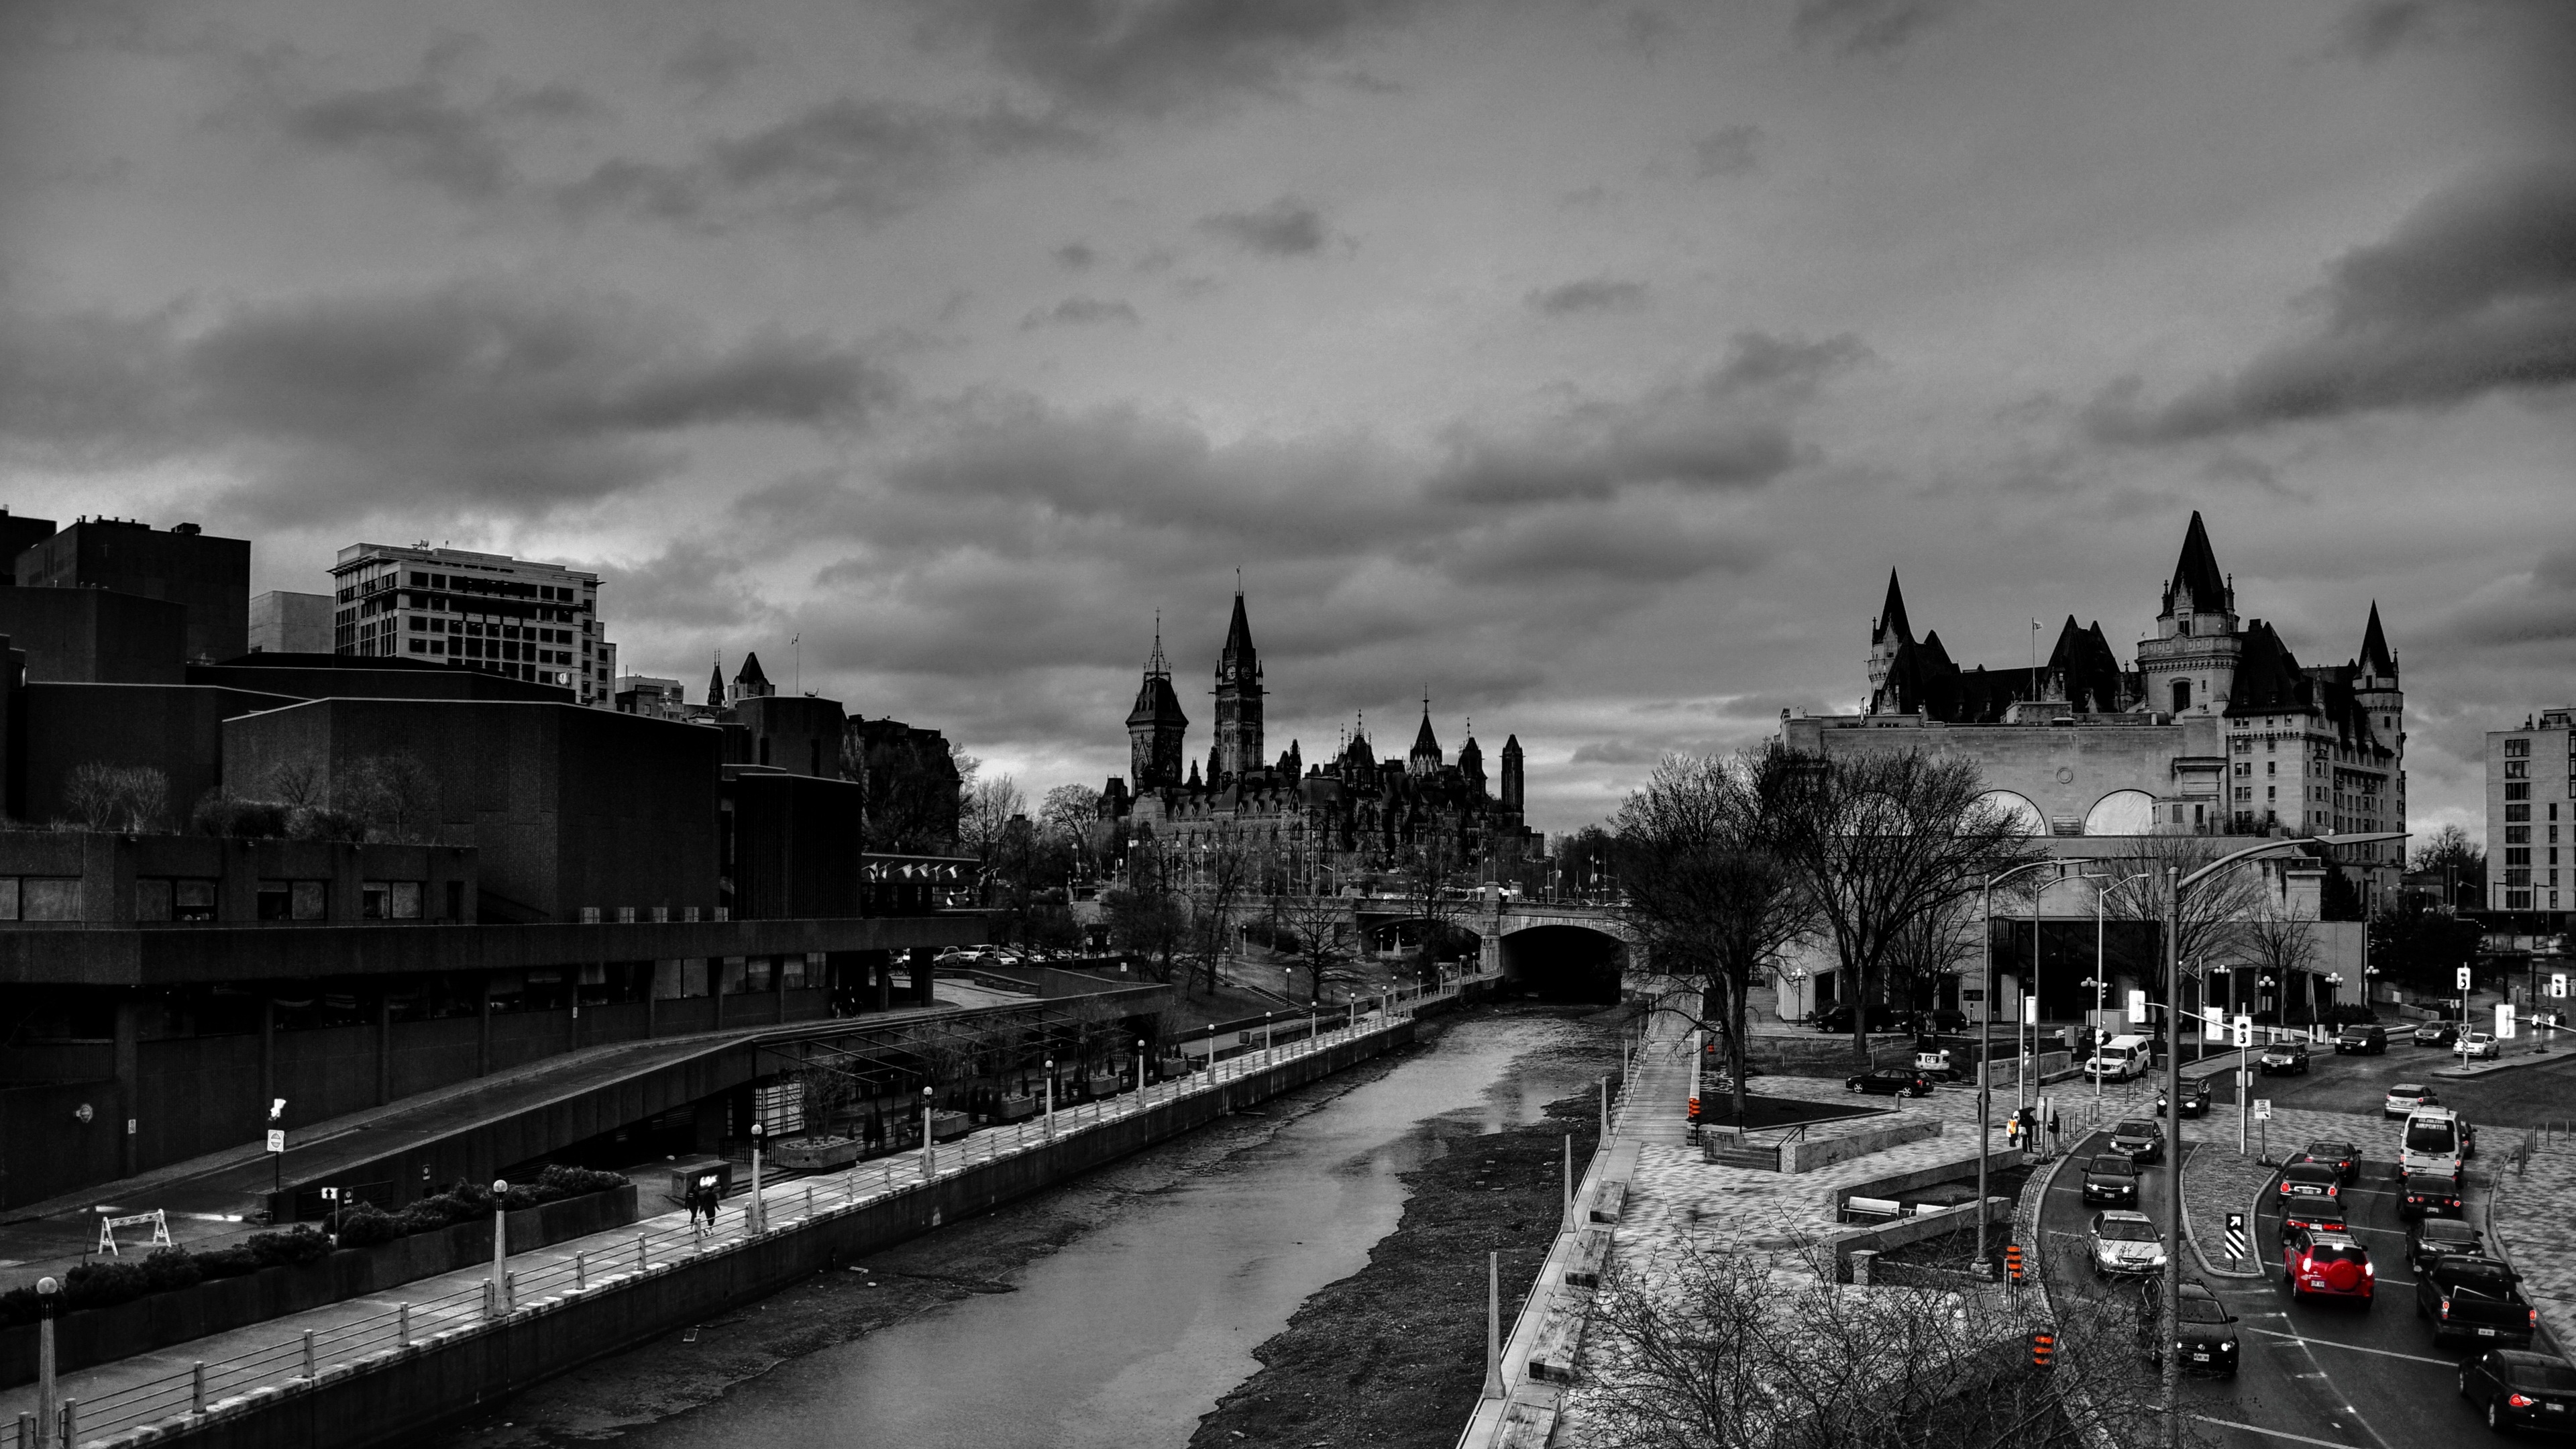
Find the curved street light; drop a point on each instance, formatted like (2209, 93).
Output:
(1986, 1040)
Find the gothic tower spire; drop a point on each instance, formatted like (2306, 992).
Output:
(1237, 751)
(1156, 726)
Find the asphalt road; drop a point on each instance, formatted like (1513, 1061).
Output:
(2321, 1373)
(2522, 1097)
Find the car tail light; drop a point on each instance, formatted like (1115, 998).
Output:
(2333, 1191)
(2520, 1401)
(2535, 1318)
(2446, 1308)
(2306, 1263)
(2371, 1269)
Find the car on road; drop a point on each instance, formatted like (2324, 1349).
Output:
(2430, 1238)
(2483, 1046)
(2125, 1244)
(2139, 1140)
(2516, 1388)
(2342, 1156)
(2195, 1099)
(2431, 1144)
(2205, 1338)
(2328, 1263)
(2478, 1298)
(2405, 1097)
(2284, 1056)
(2313, 1214)
(2111, 1180)
(2121, 1058)
(2362, 1038)
(1838, 1019)
(2310, 1179)
(2437, 1033)
(1890, 1082)
(2425, 1195)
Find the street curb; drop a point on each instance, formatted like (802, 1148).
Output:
(2253, 1210)
(2471, 1075)
(2089, 1425)
(2495, 1195)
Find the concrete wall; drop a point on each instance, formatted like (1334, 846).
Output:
(96, 636)
(793, 843)
(571, 807)
(174, 728)
(1806, 1154)
(403, 1395)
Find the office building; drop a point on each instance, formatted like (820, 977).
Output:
(517, 618)
(206, 575)
(290, 623)
(2531, 808)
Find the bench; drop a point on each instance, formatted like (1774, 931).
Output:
(1559, 1342)
(1591, 1255)
(1607, 1202)
(1872, 1209)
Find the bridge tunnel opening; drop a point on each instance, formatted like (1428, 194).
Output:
(1564, 963)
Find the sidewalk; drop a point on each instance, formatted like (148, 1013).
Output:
(152, 1387)
(210, 1198)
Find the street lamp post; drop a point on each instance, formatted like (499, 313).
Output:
(2178, 884)
(48, 1406)
(754, 1218)
(1986, 1045)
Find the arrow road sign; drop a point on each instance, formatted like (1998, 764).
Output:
(2236, 1234)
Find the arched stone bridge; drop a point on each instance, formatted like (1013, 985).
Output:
(1558, 949)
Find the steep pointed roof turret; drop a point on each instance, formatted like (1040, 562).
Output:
(715, 683)
(1238, 630)
(1424, 741)
(2375, 658)
(1891, 615)
(2196, 572)
(750, 682)
(1157, 703)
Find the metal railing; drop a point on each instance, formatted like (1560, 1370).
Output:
(782, 1201)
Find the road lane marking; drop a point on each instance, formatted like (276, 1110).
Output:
(2302, 1338)
(2275, 1433)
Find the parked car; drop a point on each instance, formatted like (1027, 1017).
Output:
(2405, 1097)
(2195, 1098)
(1891, 1082)
(2431, 1238)
(1937, 1064)
(2326, 1262)
(2362, 1038)
(2125, 1243)
(2437, 1033)
(2139, 1139)
(2205, 1338)
(2310, 1179)
(2343, 1157)
(2517, 1388)
(2483, 1046)
(1940, 1019)
(2284, 1056)
(2473, 1297)
(2110, 1180)
(1838, 1019)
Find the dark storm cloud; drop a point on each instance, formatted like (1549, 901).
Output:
(1727, 151)
(1075, 256)
(2537, 607)
(1285, 228)
(1729, 430)
(472, 395)
(2373, 28)
(1596, 294)
(2474, 293)
(1654, 544)
(711, 62)
(693, 584)
(1870, 27)
(423, 129)
(1080, 312)
(871, 160)
(1151, 57)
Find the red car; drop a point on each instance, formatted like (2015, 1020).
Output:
(2327, 1263)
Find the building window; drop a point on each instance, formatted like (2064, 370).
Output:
(2520, 791)
(2517, 749)
(2517, 835)
(291, 900)
(2517, 769)
(2182, 689)
(49, 898)
(2517, 812)
(2517, 900)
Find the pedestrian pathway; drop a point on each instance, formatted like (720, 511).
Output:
(2527, 1215)
(154, 1387)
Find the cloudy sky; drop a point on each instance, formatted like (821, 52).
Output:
(1588, 365)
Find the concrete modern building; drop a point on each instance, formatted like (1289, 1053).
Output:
(290, 623)
(206, 575)
(2531, 820)
(653, 698)
(518, 618)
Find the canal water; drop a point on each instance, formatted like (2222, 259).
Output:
(1127, 1334)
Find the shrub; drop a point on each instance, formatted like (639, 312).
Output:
(363, 1225)
(562, 1180)
(230, 1262)
(298, 1244)
(103, 1285)
(170, 1268)
(236, 819)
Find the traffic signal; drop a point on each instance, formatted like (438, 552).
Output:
(2043, 1347)
(1694, 1109)
(2012, 1260)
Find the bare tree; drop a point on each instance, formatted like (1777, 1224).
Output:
(2211, 929)
(1323, 935)
(1430, 877)
(1147, 913)
(1070, 814)
(299, 784)
(1883, 838)
(101, 796)
(395, 795)
(1733, 1350)
(2277, 939)
(1709, 886)
(1223, 867)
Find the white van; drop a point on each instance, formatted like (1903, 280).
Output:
(2432, 1144)
(2123, 1057)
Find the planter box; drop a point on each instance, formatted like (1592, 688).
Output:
(1015, 1109)
(949, 1126)
(1104, 1086)
(815, 1153)
(103, 1335)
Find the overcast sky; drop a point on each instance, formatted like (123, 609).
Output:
(1587, 365)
